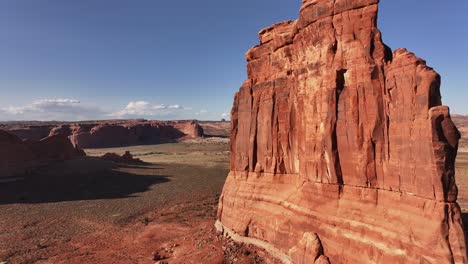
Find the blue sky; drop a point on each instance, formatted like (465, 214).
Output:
(87, 59)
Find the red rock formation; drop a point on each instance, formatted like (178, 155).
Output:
(14, 154)
(35, 132)
(125, 158)
(56, 147)
(133, 133)
(62, 130)
(17, 157)
(115, 133)
(191, 129)
(335, 135)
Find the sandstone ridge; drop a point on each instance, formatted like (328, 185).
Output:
(112, 133)
(336, 136)
(18, 157)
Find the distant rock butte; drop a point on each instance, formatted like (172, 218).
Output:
(115, 133)
(18, 157)
(340, 144)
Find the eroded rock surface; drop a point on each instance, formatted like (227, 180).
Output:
(334, 134)
(133, 133)
(114, 133)
(18, 157)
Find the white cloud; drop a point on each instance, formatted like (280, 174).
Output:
(138, 108)
(157, 107)
(146, 109)
(51, 109)
(225, 115)
(74, 110)
(58, 101)
(174, 107)
(41, 106)
(162, 106)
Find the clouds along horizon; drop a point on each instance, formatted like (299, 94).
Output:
(66, 109)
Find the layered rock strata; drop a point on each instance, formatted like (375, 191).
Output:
(110, 133)
(335, 135)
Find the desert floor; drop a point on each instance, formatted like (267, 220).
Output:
(93, 211)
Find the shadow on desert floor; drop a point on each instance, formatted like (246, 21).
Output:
(82, 179)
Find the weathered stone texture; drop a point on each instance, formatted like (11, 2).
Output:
(336, 135)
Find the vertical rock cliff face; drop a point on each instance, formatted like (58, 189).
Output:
(338, 140)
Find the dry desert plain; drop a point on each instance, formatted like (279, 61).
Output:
(88, 210)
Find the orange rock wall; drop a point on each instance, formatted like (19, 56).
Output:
(335, 135)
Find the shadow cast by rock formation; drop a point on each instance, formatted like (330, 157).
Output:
(465, 225)
(217, 136)
(135, 144)
(81, 179)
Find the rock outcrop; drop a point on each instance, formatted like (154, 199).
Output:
(18, 157)
(335, 135)
(114, 133)
(133, 133)
(14, 154)
(35, 132)
(126, 158)
(190, 129)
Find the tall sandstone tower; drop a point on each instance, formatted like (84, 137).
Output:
(341, 150)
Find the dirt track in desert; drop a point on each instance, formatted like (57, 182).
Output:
(93, 211)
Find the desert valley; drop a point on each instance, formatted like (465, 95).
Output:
(92, 210)
(338, 150)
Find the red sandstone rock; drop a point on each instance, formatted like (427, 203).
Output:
(13, 155)
(17, 157)
(335, 135)
(35, 132)
(54, 148)
(190, 129)
(62, 130)
(115, 133)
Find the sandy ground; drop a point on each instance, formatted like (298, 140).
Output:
(93, 211)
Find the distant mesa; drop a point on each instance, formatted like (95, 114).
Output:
(111, 133)
(25, 146)
(18, 157)
(341, 150)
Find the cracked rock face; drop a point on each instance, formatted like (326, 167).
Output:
(334, 134)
